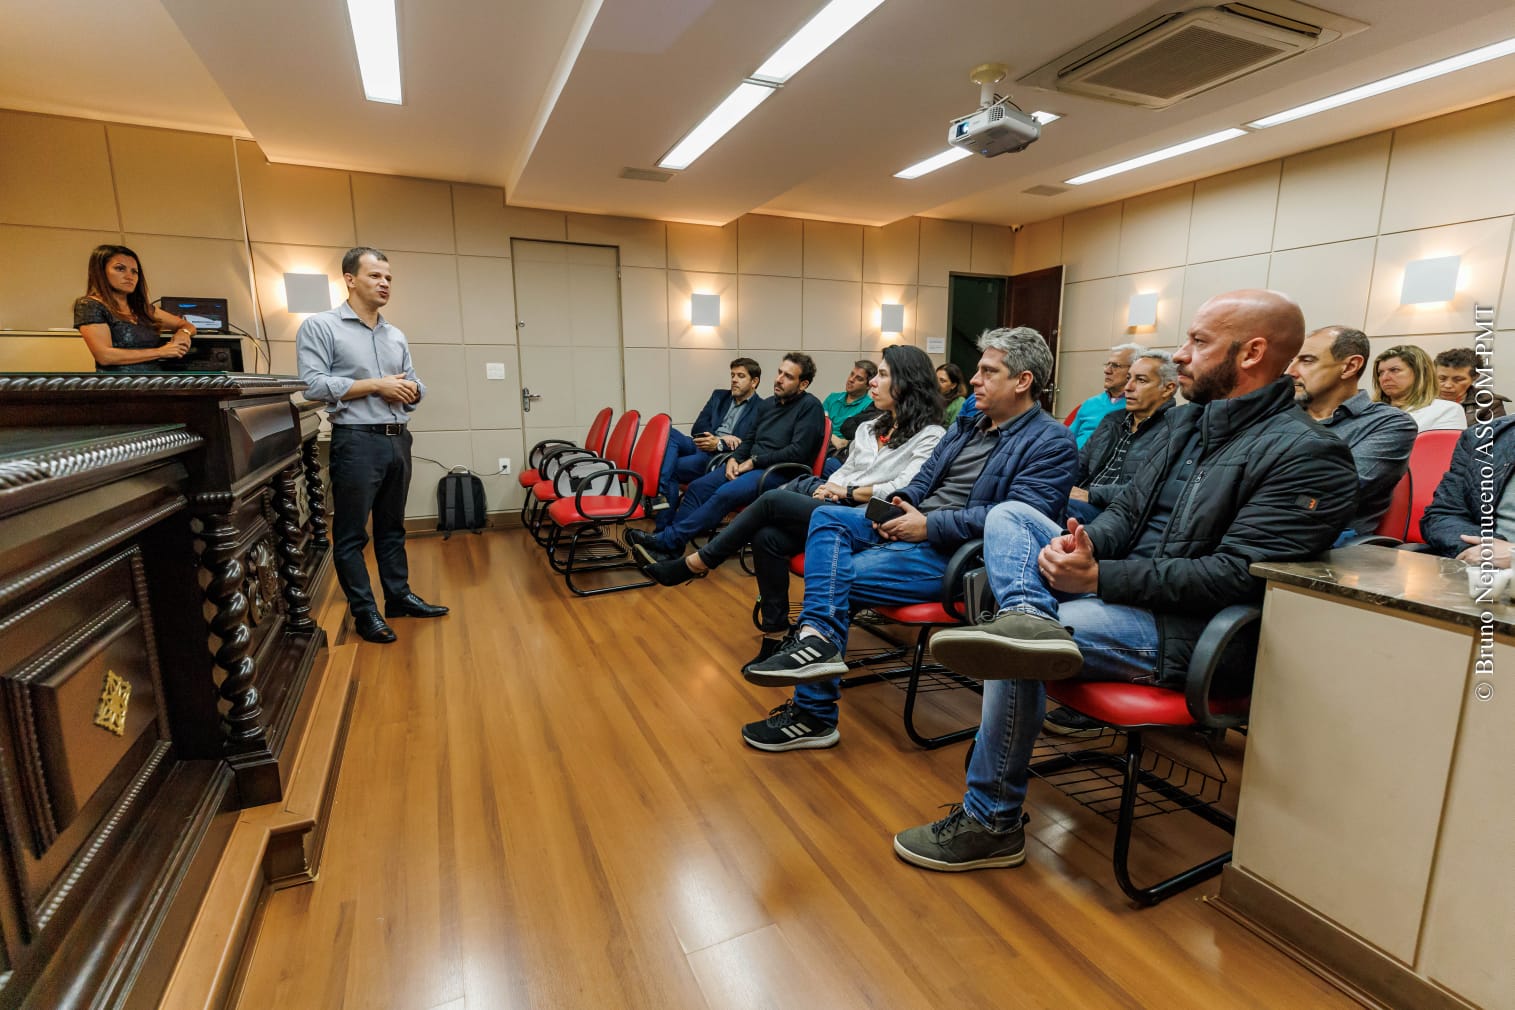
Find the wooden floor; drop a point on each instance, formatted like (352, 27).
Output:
(545, 802)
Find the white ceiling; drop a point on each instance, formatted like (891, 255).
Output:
(552, 99)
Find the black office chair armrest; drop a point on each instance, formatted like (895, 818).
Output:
(1204, 663)
(787, 470)
(636, 498)
(718, 461)
(968, 556)
(1370, 540)
(1417, 548)
(541, 449)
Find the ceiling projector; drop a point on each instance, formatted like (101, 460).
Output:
(998, 127)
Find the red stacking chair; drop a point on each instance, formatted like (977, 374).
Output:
(1068, 421)
(594, 442)
(608, 496)
(560, 471)
(1430, 460)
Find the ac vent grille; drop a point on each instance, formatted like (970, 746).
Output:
(1184, 61)
(645, 175)
(1045, 190)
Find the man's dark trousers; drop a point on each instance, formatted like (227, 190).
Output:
(370, 473)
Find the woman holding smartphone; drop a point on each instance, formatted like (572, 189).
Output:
(886, 453)
(121, 328)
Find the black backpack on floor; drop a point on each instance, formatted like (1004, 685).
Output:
(460, 502)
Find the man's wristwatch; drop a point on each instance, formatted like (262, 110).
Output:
(851, 491)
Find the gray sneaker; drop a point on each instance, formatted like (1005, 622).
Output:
(957, 842)
(1013, 646)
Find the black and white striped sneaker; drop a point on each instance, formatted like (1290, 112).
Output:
(796, 661)
(787, 728)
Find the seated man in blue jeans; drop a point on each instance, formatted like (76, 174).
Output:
(1242, 475)
(727, 420)
(1011, 451)
(789, 430)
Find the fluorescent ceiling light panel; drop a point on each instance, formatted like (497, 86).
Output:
(829, 24)
(1045, 117)
(377, 38)
(713, 127)
(1430, 280)
(1198, 143)
(953, 154)
(1425, 73)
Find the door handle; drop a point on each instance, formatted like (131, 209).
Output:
(526, 397)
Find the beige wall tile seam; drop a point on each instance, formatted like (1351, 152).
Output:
(115, 189)
(1383, 200)
(1449, 224)
(252, 279)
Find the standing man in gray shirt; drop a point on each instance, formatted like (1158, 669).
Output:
(359, 365)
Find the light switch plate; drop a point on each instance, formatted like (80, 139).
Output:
(494, 370)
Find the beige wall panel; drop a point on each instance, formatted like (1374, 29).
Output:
(647, 387)
(771, 312)
(1203, 281)
(486, 287)
(42, 272)
(931, 317)
(993, 250)
(833, 251)
(680, 332)
(1505, 317)
(832, 312)
(452, 448)
(424, 299)
(501, 492)
(1234, 213)
(595, 383)
(946, 248)
(1332, 194)
(1038, 246)
(641, 243)
(55, 173)
(444, 370)
(891, 254)
(395, 213)
(1170, 286)
(1452, 168)
(294, 205)
(546, 225)
(1154, 230)
(833, 367)
(594, 301)
(200, 267)
(284, 357)
(770, 245)
(62, 352)
(479, 222)
(1080, 375)
(1091, 243)
(534, 251)
(644, 307)
(272, 262)
(874, 297)
(492, 403)
(1483, 247)
(1297, 828)
(1330, 282)
(1469, 931)
(1092, 319)
(702, 247)
(702, 369)
(172, 183)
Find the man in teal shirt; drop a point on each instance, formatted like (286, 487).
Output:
(853, 399)
(1111, 398)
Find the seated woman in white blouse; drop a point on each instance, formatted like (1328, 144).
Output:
(1404, 377)
(886, 453)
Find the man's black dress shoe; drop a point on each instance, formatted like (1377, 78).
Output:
(411, 605)
(371, 627)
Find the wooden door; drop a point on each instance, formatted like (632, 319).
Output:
(1035, 299)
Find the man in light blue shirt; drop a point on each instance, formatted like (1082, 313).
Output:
(1111, 398)
(359, 365)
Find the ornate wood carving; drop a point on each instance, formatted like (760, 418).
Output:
(241, 721)
(105, 452)
(291, 552)
(316, 491)
(141, 382)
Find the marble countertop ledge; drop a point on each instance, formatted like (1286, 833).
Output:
(1422, 584)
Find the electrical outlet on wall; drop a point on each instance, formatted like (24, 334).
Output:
(504, 464)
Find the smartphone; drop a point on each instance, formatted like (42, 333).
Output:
(881, 511)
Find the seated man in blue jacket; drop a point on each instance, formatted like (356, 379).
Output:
(789, 430)
(726, 421)
(1012, 450)
(1241, 475)
(1457, 523)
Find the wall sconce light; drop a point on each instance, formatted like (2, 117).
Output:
(307, 292)
(705, 310)
(892, 318)
(1142, 311)
(1430, 280)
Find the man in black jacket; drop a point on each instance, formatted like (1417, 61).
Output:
(1124, 438)
(1242, 475)
(789, 430)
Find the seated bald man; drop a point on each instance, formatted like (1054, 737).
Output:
(1242, 475)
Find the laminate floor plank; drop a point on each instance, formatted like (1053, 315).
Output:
(545, 803)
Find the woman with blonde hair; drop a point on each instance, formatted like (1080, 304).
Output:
(1404, 377)
(122, 329)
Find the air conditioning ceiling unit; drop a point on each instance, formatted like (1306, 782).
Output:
(1159, 59)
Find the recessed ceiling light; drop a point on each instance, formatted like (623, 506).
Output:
(1045, 117)
(1163, 155)
(953, 154)
(1425, 73)
(830, 23)
(747, 96)
(376, 36)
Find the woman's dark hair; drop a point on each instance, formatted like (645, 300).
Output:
(917, 401)
(98, 284)
(955, 374)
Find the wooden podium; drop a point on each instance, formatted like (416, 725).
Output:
(159, 539)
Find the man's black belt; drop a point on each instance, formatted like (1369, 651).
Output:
(377, 429)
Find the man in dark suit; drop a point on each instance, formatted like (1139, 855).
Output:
(725, 423)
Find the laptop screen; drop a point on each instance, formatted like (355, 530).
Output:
(208, 314)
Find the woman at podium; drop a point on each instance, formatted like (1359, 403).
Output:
(123, 331)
